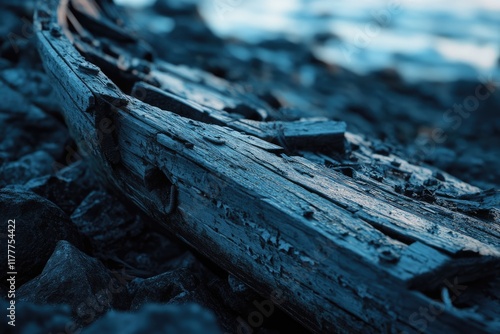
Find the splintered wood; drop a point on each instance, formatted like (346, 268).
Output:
(349, 254)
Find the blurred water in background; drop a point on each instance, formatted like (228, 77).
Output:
(423, 39)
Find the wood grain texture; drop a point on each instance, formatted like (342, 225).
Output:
(348, 255)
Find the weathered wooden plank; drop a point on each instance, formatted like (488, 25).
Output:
(88, 13)
(215, 95)
(486, 231)
(182, 106)
(83, 96)
(178, 147)
(365, 153)
(375, 211)
(320, 134)
(204, 190)
(484, 204)
(175, 81)
(343, 257)
(317, 134)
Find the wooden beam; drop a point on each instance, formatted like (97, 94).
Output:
(346, 256)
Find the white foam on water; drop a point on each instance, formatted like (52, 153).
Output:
(135, 3)
(433, 36)
(481, 56)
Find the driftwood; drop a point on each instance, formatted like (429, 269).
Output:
(344, 253)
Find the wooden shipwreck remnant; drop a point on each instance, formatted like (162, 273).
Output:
(346, 254)
(322, 135)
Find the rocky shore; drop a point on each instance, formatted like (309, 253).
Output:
(90, 262)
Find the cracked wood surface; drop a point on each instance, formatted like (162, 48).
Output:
(346, 254)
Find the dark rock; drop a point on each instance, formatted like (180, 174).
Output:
(290, 114)
(105, 220)
(72, 277)
(28, 128)
(198, 34)
(440, 157)
(227, 298)
(8, 23)
(206, 298)
(391, 76)
(157, 319)
(122, 238)
(244, 111)
(271, 99)
(20, 48)
(162, 288)
(28, 167)
(280, 44)
(152, 254)
(184, 260)
(40, 224)
(234, 305)
(20, 8)
(324, 37)
(67, 188)
(239, 297)
(17, 33)
(197, 45)
(32, 84)
(38, 319)
(365, 111)
(15, 104)
(4, 63)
